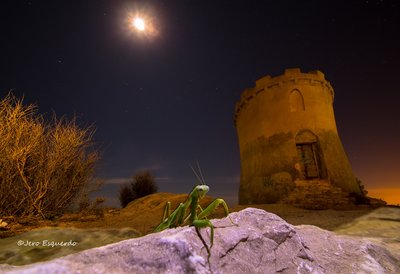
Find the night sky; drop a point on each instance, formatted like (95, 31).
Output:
(163, 100)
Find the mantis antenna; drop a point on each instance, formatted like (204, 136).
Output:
(201, 173)
(200, 178)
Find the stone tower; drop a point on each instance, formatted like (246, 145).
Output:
(287, 134)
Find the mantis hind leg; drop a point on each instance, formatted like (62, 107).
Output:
(171, 220)
(167, 211)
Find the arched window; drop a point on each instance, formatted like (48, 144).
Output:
(296, 101)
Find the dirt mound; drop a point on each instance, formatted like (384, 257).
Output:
(145, 214)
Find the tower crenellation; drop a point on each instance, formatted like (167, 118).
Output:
(290, 76)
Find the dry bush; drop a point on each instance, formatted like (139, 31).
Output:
(125, 195)
(143, 184)
(43, 166)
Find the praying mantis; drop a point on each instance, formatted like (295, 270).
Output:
(191, 213)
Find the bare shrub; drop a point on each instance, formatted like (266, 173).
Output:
(125, 195)
(83, 203)
(143, 184)
(43, 166)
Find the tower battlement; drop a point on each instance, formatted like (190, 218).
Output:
(290, 76)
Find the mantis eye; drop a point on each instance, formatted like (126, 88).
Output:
(203, 189)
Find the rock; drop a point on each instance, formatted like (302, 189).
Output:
(376, 203)
(3, 225)
(113, 212)
(345, 254)
(318, 195)
(261, 242)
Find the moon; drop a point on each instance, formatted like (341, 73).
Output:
(142, 24)
(139, 24)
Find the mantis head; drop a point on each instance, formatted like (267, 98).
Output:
(200, 191)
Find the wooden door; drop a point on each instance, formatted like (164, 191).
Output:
(308, 160)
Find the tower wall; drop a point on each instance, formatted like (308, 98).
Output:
(286, 129)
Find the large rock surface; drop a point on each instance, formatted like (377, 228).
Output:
(261, 242)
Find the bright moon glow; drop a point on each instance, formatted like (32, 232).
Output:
(138, 23)
(142, 24)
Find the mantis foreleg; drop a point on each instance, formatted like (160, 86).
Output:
(211, 207)
(202, 224)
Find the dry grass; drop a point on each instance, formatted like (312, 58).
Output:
(43, 166)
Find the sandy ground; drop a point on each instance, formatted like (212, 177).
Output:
(145, 214)
(327, 219)
(140, 217)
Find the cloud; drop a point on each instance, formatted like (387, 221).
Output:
(162, 179)
(153, 167)
(115, 181)
(122, 180)
(225, 180)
